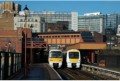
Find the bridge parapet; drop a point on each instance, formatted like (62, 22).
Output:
(36, 44)
(87, 46)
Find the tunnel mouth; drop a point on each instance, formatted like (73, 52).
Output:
(38, 56)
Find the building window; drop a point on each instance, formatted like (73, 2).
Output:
(32, 20)
(28, 19)
(35, 30)
(6, 15)
(52, 36)
(21, 20)
(74, 35)
(49, 36)
(21, 25)
(77, 35)
(35, 20)
(28, 25)
(32, 25)
(40, 36)
(55, 36)
(35, 25)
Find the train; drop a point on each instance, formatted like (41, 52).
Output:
(55, 58)
(73, 58)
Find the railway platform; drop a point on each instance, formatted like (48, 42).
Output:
(42, 72)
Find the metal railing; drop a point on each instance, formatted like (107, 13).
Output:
(99, 70)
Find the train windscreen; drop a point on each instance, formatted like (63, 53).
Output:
(73, 54)
(56, 54)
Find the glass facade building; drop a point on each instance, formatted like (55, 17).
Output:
(111, 22)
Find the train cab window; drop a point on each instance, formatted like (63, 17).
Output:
(56, 54)
(64, 35)
(73, 54)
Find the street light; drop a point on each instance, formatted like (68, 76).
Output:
(25, 12)
(9, 49)
(31, 60)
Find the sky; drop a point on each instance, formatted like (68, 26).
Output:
(105, 7)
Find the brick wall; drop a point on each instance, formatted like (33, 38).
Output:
(7, 21)
(13, 37)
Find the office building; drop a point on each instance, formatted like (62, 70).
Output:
(91, 22)
(52, 17)
(36, 23)
(111, 23)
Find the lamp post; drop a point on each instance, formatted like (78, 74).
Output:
(9, 43)
(31, 60)
(25, 12)
(7, 46)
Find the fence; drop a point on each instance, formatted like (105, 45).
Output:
(10, 64)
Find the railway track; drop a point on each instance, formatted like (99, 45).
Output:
(77, 74)
(69, 74)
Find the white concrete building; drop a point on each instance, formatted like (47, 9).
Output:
(91, 14)
(118, 31)
(74, 21)
(92, 23)
(36, 23)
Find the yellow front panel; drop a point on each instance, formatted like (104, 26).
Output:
(74, 60)
(56, 59)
